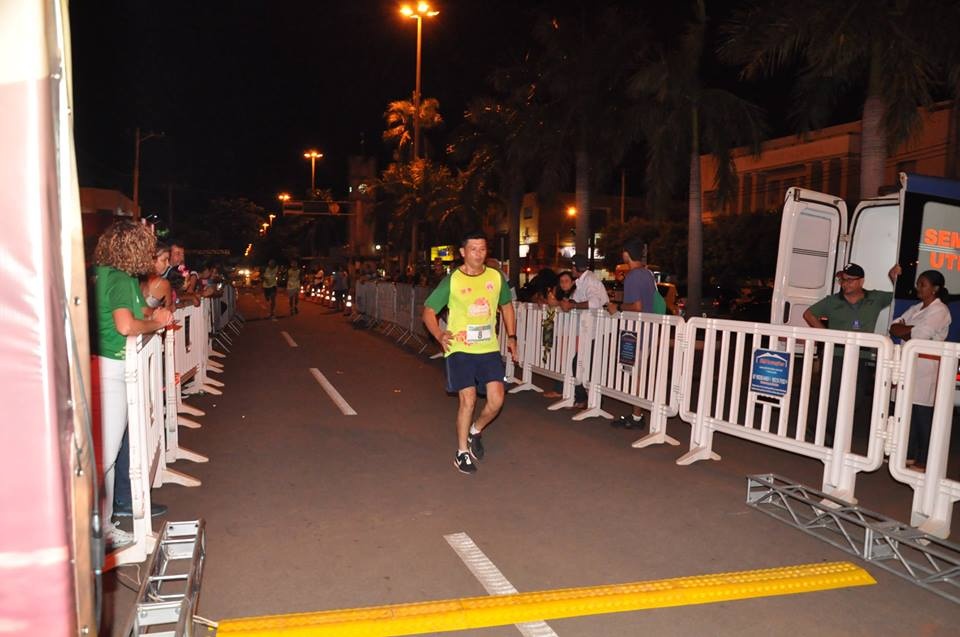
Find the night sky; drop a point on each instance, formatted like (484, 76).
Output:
(241, 89)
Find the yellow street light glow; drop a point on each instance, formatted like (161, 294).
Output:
(571, 211)
(284, 196)
(312, 154)
(423, 10)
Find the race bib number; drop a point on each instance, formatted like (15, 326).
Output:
(479, 333)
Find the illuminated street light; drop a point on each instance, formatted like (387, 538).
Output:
(283, 197)
(571, 211)
(313, 156)
(423, 10)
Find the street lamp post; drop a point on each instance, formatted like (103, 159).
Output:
(283, 197)
(136, 168)
(422, 10)
(313, 156)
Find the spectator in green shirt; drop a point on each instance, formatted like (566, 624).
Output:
(853, 309)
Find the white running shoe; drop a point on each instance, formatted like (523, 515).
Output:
(117, 538)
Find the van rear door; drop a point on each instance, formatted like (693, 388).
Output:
(813, 235)
(874, 244)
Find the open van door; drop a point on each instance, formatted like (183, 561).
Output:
(874, 245)
(813, 235)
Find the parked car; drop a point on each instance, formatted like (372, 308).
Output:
(754, 305)
(717, 302)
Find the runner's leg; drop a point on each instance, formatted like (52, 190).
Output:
(493, 405)
(468, 400)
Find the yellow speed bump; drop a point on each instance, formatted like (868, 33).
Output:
(499, 610)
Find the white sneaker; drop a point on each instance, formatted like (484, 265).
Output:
(117, 538)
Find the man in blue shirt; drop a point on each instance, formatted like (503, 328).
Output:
(639, 288)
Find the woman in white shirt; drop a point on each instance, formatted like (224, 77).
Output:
(929, 320)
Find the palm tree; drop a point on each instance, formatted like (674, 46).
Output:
(683, 117)
(899, 49)
(501, 144)
(399, 125)
(583, 62)
(418, 192)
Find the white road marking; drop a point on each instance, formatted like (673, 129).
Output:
(288, 338)
(492, 579)
(333, 393)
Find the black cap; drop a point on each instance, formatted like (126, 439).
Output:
(579, 261)
(853, 271)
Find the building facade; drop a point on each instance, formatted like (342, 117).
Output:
(828, 161)
(548, 228)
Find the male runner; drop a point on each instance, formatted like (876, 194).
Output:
(472, 293)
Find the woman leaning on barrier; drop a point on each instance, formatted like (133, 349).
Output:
(929, 320)
(125, 251)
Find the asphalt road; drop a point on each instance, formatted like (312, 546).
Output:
(309, 509)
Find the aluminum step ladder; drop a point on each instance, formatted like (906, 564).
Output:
(169, 591)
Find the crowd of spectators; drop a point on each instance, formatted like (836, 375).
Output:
(136, 284)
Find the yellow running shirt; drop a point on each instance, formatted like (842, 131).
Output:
(472, 302)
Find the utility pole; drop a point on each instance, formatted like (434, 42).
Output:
(623, 194)
(136, 168)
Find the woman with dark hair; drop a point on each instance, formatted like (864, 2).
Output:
(125, 251)
(929, 320)
(156, 289)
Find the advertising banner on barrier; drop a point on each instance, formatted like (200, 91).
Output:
(770, 373)
(627, 351)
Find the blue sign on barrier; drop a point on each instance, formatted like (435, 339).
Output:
(627, 353)
(770, 372)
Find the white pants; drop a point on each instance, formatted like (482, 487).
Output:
(113, 422)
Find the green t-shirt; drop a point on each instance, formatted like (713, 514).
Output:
(472, 301)
(856, 317)
(115, 290)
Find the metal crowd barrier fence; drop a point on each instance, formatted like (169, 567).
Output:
(631, 363)
(387, 307)
(509, 367)
(933, 493)
(827, 397)
(172, 418)
(395, 308)
(143, 372)
(193, 349)
(547, 342)
(786, 406)
(155, 368)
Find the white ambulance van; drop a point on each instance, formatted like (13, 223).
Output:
(917, 227)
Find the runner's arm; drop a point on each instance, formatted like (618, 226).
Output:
(509, 318)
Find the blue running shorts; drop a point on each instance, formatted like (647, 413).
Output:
(473, 370)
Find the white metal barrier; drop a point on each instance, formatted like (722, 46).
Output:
(631, 363)
(143, 373)
(153, 367)
(547, 342)
(193, 349)
(172, 418)
(933, 493)
(728, 399)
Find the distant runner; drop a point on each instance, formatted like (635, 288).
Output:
(472, 293)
